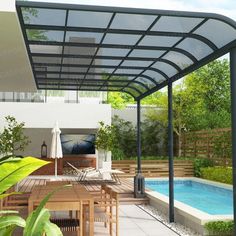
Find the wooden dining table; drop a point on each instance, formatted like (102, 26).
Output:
(70, 196)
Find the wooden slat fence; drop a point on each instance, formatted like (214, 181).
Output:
(154, 168)
(213, 144)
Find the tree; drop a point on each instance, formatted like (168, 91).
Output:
(12, 138)
(201, 101)
(119, 100)
(208, 90)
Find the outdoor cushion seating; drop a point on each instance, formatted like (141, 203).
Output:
(90, 173)
(82, 173)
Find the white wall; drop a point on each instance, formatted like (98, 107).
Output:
(69, 116)
(39, 119)
(15, 69)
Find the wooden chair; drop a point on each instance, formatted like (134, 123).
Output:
(14, 202)
(106, 208)
(68, 225)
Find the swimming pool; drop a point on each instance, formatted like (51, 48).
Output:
(211, 199)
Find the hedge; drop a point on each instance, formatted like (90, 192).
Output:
(219, 174)
(222, 228)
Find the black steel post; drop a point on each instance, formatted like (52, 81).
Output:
(139, 183)
(138, 138)
(233, 119)
(170, 153)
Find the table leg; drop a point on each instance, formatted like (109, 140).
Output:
(91, 217)
(30, 207)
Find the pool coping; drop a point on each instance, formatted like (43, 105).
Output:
(186, 214)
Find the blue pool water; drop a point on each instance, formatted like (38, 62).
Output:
(208, 198)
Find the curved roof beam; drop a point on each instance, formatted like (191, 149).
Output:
(86, 80)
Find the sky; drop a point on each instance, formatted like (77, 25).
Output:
(224, 7)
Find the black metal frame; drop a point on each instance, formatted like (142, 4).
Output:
(129, 82)
(150, 83)
(233, 118)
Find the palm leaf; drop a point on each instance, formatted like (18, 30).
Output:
(52, 229)
(8, 194)
(35, 225)
(8, 212)
(14, 171)
(7, 231)
(8, 224)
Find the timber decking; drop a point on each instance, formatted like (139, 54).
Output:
(125, 189)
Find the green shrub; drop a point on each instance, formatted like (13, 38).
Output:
(222, 228)
(118, 154)
(200, 163)
(220, 174)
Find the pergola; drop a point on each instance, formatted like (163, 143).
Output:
(136, 51)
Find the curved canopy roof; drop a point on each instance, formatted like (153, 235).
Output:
(138, 51)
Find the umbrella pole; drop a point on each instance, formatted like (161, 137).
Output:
(55, 167)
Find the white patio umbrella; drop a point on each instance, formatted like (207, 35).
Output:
(56, 149)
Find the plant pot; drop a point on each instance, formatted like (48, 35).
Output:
(106, 166)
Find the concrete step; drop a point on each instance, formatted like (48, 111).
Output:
(137, 201)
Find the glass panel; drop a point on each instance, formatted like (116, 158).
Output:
(56, 60)
(122, 39)
(74, 69)
(114, 88)
(43, 35)
(146, 53)
(88, 19)
(124, 78)
(218, 32)
(42, 16)
(107, 62)
(132, 21)
(159, 41)
(83, 37)
(118, 52)
(106, 70)
(79, 61)
(133, 92)
(66, 87)
(45, 49)
(176, 24)
(68, 76)
(155, 75)
(38, 75)
(136, 63)
(145, 81)
(128, 71)
(119, 83)
(93, 76)
(41, 68)
(195, 47)
(90, 87)
(166, 68)
(95, 70)
(179, 59)
(95, 82)
(53, 68)
(138, 87)
(79, 50)
(52, 76)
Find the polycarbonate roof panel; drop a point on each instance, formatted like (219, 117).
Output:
(138, 51)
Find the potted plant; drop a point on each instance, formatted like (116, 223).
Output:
(12, 139)
(105, 143)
